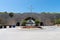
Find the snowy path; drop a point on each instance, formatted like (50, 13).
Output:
(47, 33)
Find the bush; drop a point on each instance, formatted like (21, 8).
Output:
(57, 21)
(24, 23)
(37, 22)
(11, 14)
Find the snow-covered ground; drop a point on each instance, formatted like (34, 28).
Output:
(47, 33)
